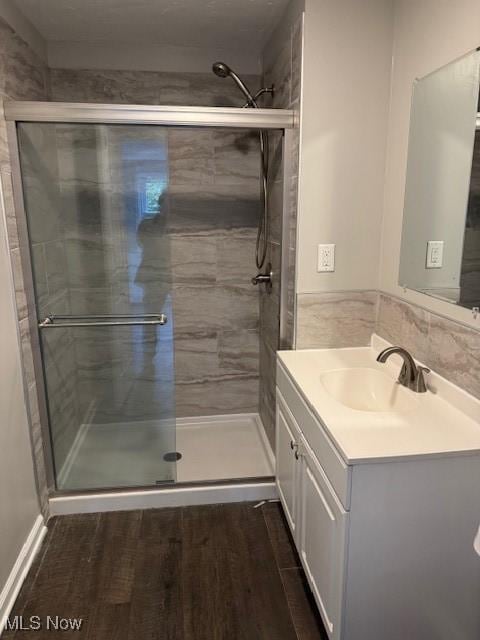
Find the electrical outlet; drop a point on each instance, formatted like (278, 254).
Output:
(326, 257)
(434, 254)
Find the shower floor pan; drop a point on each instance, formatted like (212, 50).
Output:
(212, 448)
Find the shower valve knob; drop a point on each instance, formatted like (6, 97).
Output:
(264, 278)
(261, 278)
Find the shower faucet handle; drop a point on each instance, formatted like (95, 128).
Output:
(261, 278)
(264, 278)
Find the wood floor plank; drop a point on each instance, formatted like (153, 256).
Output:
(232, 588)
(282, 543)
(161, 525)
(197, 573)
(109, 622)
(207, 590)
(256, 567)
(63, 586)
(304, 612)
(118, 541)
(156, 611)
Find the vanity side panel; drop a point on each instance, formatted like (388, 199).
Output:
(412, 569)
(337, 471)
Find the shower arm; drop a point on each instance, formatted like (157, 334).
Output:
(259, 93)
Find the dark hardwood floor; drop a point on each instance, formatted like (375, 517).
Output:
(220, 572)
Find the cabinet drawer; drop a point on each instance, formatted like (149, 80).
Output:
(337, 471)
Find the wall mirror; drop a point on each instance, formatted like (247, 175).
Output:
(440, 254)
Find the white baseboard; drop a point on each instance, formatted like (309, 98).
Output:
(20, 569)
(158, 498)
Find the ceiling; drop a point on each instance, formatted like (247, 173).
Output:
(194, 23)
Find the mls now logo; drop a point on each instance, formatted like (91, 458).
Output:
(35, 623)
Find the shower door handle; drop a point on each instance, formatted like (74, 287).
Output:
(103, 321)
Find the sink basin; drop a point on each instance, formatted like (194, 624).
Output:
(367, 389)
(367, 415)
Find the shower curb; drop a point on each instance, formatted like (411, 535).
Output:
(155, 499)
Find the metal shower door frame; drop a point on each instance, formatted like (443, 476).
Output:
(15, 112)
(88, 113)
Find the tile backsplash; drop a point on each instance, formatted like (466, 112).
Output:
(348, 318)
(335, 320)
(449, 348)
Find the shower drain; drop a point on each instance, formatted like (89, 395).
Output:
(172, 456)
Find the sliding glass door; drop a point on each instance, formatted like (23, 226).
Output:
(97, 212)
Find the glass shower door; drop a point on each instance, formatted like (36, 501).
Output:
(96, 205)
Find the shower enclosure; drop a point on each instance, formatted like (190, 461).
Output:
(97, 187)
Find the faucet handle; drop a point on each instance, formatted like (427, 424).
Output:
(420, 384)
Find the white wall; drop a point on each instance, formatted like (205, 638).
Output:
(18, 496)
(427, 35)
(24, 28)
(344, 126)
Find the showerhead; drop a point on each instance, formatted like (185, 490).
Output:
(221, 70)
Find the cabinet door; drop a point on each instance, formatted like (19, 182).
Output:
(323, 524)
(287, 465)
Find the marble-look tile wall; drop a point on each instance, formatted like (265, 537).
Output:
(213, 207)
(283, 69)
(348, 319)
(95, 238)
(212, 231)
(38, 155)
(146, 87)
(23, 76)
(335, 320)
(449, 348)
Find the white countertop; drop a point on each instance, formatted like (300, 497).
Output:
(443, 421)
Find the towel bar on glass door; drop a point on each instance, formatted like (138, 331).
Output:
(103, 321)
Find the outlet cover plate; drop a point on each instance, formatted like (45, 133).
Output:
(434, 254)
(326, 257)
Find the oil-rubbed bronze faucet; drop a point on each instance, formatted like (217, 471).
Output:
(411, 376)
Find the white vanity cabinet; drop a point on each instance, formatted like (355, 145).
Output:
(314, 513)
(387, 546)
(322, 517)
(288, 439)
